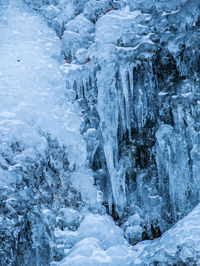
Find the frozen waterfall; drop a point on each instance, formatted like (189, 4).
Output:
(99, 132)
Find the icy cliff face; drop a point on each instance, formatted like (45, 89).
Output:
(135, 73)
(133, 68)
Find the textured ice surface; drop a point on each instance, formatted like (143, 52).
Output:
(138, 77)
(103, 228)
(97, 241)
(69, 218)
(179, 246)
(133, 67)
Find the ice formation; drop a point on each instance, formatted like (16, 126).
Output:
(99, 132)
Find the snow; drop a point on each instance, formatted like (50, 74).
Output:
(39, 124)
(179, 245)
(33, 92)
(97, 241)
(103, 228)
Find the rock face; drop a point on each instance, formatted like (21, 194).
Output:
(134, 69)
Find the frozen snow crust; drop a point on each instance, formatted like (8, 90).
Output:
(178, 246)
(98, 115)
(42, 152)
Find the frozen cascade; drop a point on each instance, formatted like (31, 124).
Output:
(119, 93)
(155, 58)
(128, 78)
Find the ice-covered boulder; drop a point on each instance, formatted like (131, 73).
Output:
(93, 10)
(134, 234)
(123, 28)
(180, 245)
(82, 55)
(102, 228)
(49, 218)
(134, 219)
(86, 252)
(50, 12)
(80, 24)
(78, 34)
(68, 218)
(72, 41)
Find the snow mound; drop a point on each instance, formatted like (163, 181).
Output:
(103, 228)
(180, 245)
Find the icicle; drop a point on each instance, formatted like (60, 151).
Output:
(108, 109)
(130, 84)
(173, 155)
(85, 88)
(121, 102)
(79, 88)
(117, 177)
(131, 80)
(92, 139)
(123, 73)
(75, 88)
